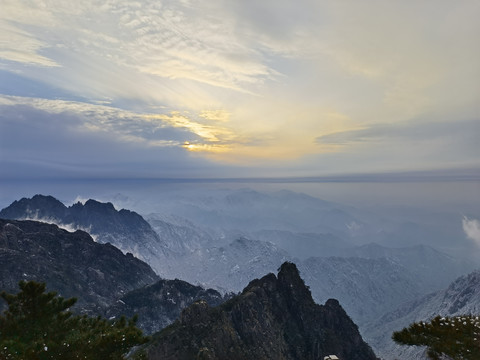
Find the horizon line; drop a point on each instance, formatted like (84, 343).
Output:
(441, 175)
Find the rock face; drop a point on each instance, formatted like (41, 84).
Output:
(124, 229)
(70, 263)
(160, 304)
(273, 318)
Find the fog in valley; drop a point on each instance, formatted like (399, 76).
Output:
(441, 214)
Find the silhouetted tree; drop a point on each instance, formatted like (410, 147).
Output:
(39, 325)
(457, 337)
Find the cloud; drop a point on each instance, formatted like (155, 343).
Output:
(471, 227)
(155, 130)
(18, 44)
(165, 39)
(269, 83)
(411, 132)
(47, 138)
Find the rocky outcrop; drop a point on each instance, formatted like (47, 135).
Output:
(71, 263)
(160, 304)
(274, 317)
(124, 229)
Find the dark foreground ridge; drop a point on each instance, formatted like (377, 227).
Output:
(104, 280)
(273, 318)
(71, 263)
(161, 303)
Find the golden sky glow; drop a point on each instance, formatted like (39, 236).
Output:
(329, 85)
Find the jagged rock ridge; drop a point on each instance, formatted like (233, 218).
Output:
(70, 263)
(124, 229)
(273, 318)
(160, 304)
(103, 279)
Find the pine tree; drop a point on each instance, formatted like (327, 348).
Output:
(39, 325)
(457, 337)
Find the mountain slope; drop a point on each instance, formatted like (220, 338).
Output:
(124, 229)
(70, 263)
(229, 267)
(160, 304)
(367, 288)
(273, 318)
(433, 269)
(461, 297)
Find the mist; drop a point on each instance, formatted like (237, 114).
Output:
(440, 213)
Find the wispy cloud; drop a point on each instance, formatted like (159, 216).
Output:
(471, 227)
(18, 45)
(171, 129)
(165, 39)
(413, 131)
(266, 82)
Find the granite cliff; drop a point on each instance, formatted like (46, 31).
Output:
(274, 317)
(71, 263)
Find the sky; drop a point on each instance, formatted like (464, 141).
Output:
(272, 88)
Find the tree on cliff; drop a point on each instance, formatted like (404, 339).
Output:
(457, 337)
(39, 325)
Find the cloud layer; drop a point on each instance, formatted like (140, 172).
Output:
(307, 86)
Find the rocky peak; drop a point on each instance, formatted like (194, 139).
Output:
(124, 229)
(292, 285)
(273, 318)
(94, 206)
(39, 206)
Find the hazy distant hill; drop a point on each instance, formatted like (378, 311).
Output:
(229, 267)
(462, 296)
(248, 211)
(180, 235)
(304, 245)
(432, 269)
(367, 285)
(273, 318)
(367, 288)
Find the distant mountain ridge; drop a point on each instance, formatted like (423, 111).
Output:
(368, 285)
(124, 229)
(368, 279)
(273, 318)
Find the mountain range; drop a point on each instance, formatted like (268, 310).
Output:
(103, 279)
(273, 318)
(369, 280)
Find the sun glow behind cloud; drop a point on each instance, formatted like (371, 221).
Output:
(318, 84)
